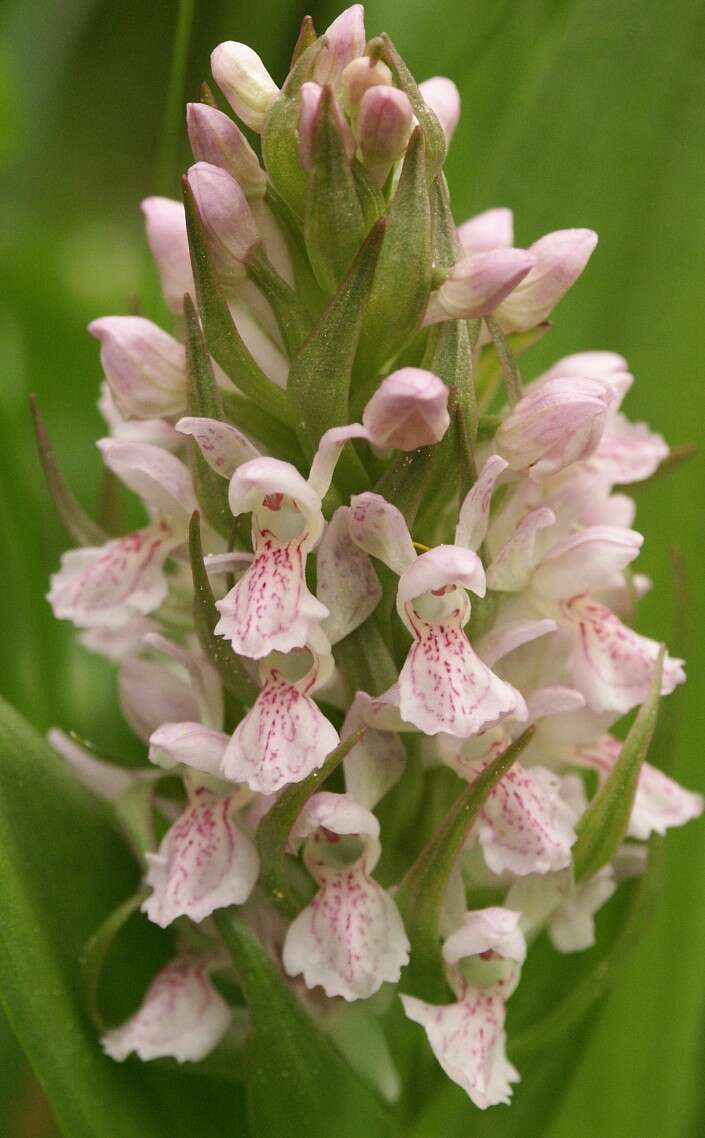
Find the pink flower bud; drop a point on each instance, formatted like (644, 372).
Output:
(442, 96)
(560, 259)
(227, 219)
(345, 39)
(477, 284)
(493, 229)
(145, 366)
(308, 123)
(216, 139)
(555, 424)
(165, 222)
(408, 410)
(383, 129)
(361, 74)
(245, 82)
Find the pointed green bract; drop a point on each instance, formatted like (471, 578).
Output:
(275, 827)
(421, 893)
(260, 426)
(78, 524)
(435, 136)
(292, 318)
(297, 1085)
(224, 340)
(97, 947)
(206, 616)
(280, 149)
(334, 224)
(604, 824)
(211, 488)
(403, 277)
(320, 376)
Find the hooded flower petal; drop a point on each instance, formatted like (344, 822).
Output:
(491, 930)
(612, 665)
(162, 481)
(476, 285)
(204, 862)
(586, 560)
(493, 229)
(560, 259)
(245, 82)
(474, 515)
(345, 41)
(347, 584)
(182, 1017)
(282, 738)
(628, 452)
(165, 222)
(660, 802)
(379, 528)
(443, 97)
(107, 586)
(409, 409)
(512, 568)
(469, 1042)
(190, 744)
(145, 366)
(222, 445)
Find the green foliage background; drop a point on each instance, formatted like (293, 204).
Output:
(576, 112)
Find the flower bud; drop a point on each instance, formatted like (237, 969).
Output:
(477, 284)
(560, 259)
(216, 139)
(227, 219)
(308, 121)
(555, 424)
(408, 410)
(383, 129)
(361, 74)
(493, 229)
(345, 41)
(145, 366)
(443, 97)
(165, 222)
(245, 82)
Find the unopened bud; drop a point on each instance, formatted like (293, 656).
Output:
(477, 284)
(216, 139)
(443, 97)
(245, 82)
(493, 229)
(144, 366)
(558, 421)
(383, 129)
(309, 115)
(165, 222)
(560, 259)
(408, 410)
(227, 219)
(345, 40)
(361, 74)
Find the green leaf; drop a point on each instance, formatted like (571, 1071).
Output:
(334, 225)
(307, 286)
(421, 893)
(211, 488)
(319, 379)
(274, 829)
(65, 868)
(307, 36)
(403, 278)
(260, 426)
(206, 616)
(224, 340)
(296, 1083)
(78, 524)
(365, 660)
(280, 148)
(433, 131)
(97, 947)
(603, 825)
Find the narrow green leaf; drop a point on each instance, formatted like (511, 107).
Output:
(275, 827)
(292, 318)
(421, 893)
(78, 524)
(273, 435)
(296, 1083)
(96, 950)
(604, 824)
(206, 616)
(280, 148)
(64, 869)
(407, 481)
(403, 278)
(307, 286)
(211, 488)
(436, 146)
(319, 379)
(224, 340)
(334, 225)
(369, 195)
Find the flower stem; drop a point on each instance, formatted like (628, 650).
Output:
(510, 371)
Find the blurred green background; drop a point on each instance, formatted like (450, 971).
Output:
(576, 112)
